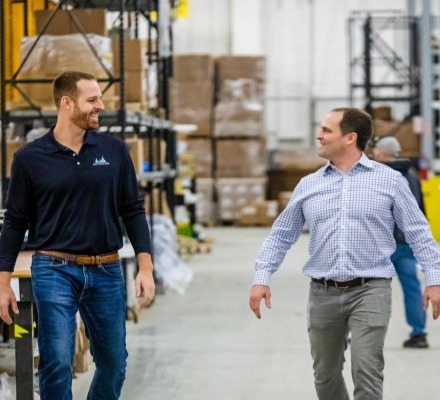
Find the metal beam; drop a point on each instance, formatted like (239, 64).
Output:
(427, 84)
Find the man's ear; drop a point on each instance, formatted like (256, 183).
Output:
(352, 137)
(65, 101)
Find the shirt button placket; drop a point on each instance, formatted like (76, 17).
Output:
(76, 155)
(343, 223)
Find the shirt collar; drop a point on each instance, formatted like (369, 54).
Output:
(52, 146)
(363, 162)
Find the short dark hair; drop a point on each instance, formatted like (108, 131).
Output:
(356, 120)
(65, 85)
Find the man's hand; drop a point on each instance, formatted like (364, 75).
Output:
(257, 293)
(7, 297)
(432, 293)
(145, 287)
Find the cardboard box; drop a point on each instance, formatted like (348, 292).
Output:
(55, 54)
(240, 158)
(205, 206)
(11, 148)
(385, 113)
(242, 90)
(201, 151)
(283, 199)
(237, 67)
(139, 149)
(248, 215)
(135, 54)
(136, 149)
(136, 88)
(91, 21)
(236, 119)
(192, 103)
(82, 361)
(193, 67)
(160, 203)
(267, 212)
(234, 193)
(282, 180)
(259, 213)
(410, 141)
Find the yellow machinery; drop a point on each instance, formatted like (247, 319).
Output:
(431, 195)
(19, 22)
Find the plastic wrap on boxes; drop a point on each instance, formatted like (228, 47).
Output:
(6, 387)
(54, 54)
(175, 274)
(236, 119)
(234, 193)
(240, 110)
(204, 209)
(247, 91)
(201, 154)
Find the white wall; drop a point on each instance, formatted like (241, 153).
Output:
(305, 42)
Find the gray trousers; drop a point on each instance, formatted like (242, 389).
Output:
(364, 311)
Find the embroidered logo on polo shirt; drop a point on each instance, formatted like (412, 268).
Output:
(101, 161)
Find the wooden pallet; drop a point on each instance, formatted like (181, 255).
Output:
(189, 245)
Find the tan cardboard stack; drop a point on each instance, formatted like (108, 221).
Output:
(191, 102)
(240, 147)
(290, 166)
(136, 73)
(62, 47)
(403, 131)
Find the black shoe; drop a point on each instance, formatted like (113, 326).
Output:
(416, 342)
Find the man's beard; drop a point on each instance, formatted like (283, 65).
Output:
(82, 120)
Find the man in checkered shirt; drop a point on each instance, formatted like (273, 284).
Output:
(351, 206)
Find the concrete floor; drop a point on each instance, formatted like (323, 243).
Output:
(206, 344)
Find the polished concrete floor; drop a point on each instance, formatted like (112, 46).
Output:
(206, 344)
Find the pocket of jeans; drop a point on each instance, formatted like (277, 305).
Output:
(112, 269)
(41, 260)
(379, 312)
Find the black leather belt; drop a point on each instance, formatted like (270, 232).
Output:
(343, 285)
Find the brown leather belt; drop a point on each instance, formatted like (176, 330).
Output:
(81, 258)
(343, 285)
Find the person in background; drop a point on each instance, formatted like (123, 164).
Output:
(351, 206)
(70, 188)
(387, 150)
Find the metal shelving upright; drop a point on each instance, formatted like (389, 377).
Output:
(386, 63)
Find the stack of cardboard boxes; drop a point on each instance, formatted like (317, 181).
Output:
(136, 72)
(191, 102)
(62, 46)
(403, 131)
(228, 146)
(239, 137)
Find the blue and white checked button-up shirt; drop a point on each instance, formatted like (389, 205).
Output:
(351, 220)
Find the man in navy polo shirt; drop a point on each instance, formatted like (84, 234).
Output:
(70, 188)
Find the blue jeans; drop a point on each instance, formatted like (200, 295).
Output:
(406, 268)
(60, 290)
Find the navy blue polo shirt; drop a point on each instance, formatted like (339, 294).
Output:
(73, 202)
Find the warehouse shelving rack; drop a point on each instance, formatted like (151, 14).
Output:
(377, 68)
(121, 121)
(385, 62)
